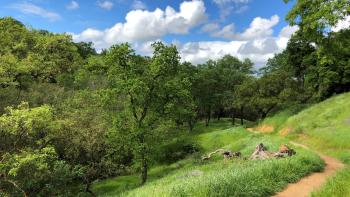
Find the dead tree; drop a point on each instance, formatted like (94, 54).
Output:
(261, 152)
(284, 151)
(226, 153)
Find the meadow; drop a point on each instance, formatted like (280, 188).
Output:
(220, 177)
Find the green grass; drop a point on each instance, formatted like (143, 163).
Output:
(278, 119)
(326, 127)
(117, 185)
(236, 177)
(218, 177)
(338, 185)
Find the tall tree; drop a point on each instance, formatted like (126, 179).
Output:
(151, 88)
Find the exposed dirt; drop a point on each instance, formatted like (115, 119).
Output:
(262, 129)
(306, 185)
(285, 131)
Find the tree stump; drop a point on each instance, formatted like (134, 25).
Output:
(260, 152)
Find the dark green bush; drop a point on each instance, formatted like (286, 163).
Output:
(176, 150)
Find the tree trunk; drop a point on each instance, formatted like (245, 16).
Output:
(207, 118)
(190, 125)
(241, 115)
(88, 190)
(144, 168)
(233, 117)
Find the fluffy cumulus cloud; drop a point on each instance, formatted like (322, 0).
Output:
(72, 5)
(107, 5)
(259, 28)
(29, 8)
(259, 49)
(144, 25)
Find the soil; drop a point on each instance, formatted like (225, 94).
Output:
(285, 131)
(262, 129)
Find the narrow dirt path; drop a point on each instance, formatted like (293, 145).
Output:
(306, 185)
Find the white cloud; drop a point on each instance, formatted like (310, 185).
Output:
(200, 52)
(259, 50)
(107, 5)
(284, 36)
(29, 8)
(228, 7)
(343, 24)
(226, 32)
(72, 5)
(139, 5)
(143, 25)
(258, 28)
(288, 31)
(210, 27)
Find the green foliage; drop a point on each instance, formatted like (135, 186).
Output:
(24, 127)
(336, 186)
(153, 91)
(315, 17)
(176, 150)
(28, 165)
(215, 83)
(38, 173)
(95, 116)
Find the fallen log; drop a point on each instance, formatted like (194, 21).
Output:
(284, 149)
(226, 153)
(261, 152)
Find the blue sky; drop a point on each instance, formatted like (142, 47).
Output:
(201, 29)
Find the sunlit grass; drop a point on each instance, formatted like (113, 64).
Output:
(237, 177)
(219, 177)
(338, 185)
(326, 127)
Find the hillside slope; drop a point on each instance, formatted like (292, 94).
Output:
(325, 127)
(219, 177)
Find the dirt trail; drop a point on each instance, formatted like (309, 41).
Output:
(306, 185)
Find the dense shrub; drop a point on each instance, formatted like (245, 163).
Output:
(176, 150)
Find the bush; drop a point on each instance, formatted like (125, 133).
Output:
(37, 173)
(176, 150)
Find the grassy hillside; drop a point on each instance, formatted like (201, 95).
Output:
(324, 127)
(218, 177)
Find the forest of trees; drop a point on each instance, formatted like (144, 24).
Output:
(70, 116)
